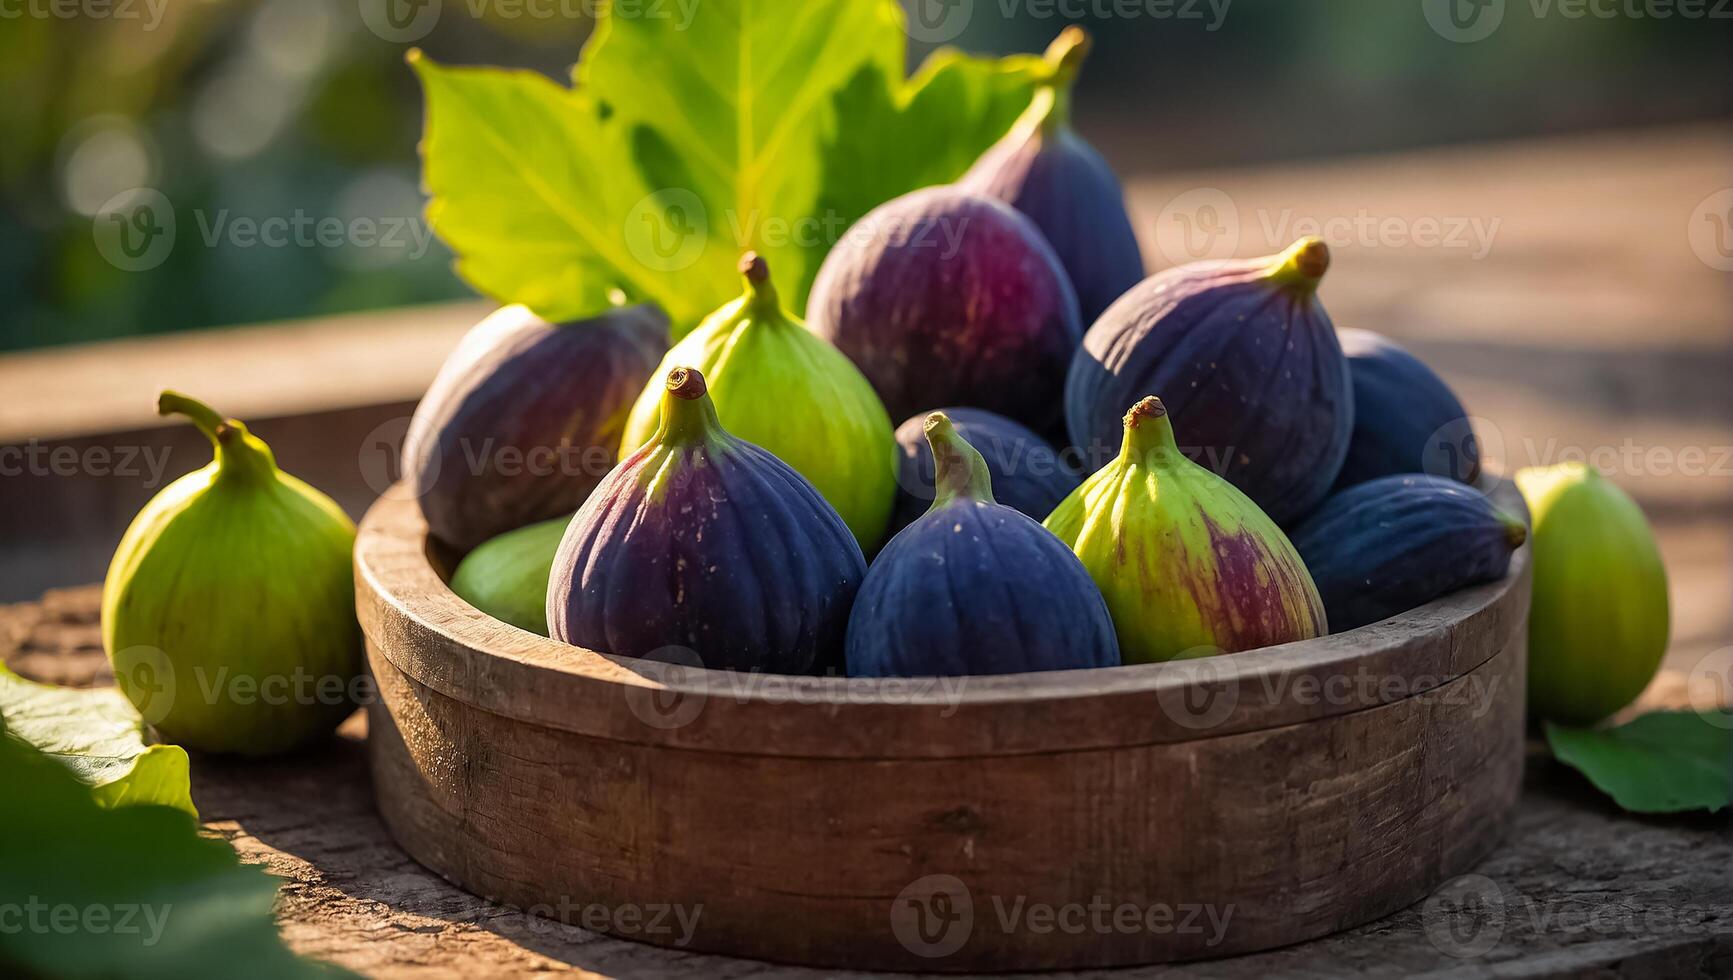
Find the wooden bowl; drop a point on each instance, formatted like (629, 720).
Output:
(1072, 819)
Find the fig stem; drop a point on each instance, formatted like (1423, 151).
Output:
(688, 414)
(1148, 431)
(237, 450)
(1515, 531)
(1050, 109)
(761, 296)
(202, 416)
(1303, 265)
(959, 471)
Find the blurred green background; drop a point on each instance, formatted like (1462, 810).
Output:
(299, 110)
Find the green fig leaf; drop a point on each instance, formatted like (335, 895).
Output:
(97, 736)
(944, 118)
(127, 891)
(753, 125)
(1662, 762)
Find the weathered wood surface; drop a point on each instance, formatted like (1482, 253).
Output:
(1582, 890)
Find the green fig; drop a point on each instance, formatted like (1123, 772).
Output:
(1598, 620)
(229, 607)
(1189, 566)
(507, 575)
(779, 386)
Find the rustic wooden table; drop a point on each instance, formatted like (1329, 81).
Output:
(1589, 321)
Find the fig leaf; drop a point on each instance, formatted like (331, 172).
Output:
(749, 125)
(1661, 762)
(127, 891)
(97, 736)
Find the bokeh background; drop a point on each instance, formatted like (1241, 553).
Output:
(259, 108)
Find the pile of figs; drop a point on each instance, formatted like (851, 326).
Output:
(1092, 467)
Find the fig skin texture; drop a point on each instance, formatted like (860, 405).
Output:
(1250, 367)
(974, 587)
(1049, 173)
(1190, 567)
(525, 417)
(1029, 475)
(1387, 545)
(1406, 419)
(1599, 619)
(947, 297)
(777, 386)
(507, 577)
(229, 607)
(707, 544)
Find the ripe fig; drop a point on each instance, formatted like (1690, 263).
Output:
(1406, 419)
(1598, 621)
(229, 607)
(781, 388)
(1258, 384)
(524, 418)
(706, 543)
(947, 297)
(974, 587)
(507, 576)
(1189, 565)
(1046, 171)
(1387, 545)
(1028, 474)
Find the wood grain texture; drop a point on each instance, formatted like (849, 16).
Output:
(1155, 812)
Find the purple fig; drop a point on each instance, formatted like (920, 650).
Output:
(524, 418)
(1029, 475)
(1046, 171)
(947, 297)
(708, 544)
(974, 587)
(1406, 419)
(1248, 364)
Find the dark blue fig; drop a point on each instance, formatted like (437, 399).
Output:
(1406, 419)
(1029, 475)
(947, 297)
(710, 545)
(974, 587)
(1387, 545)
(524, 418)
(1248, 364)
(1046, 171)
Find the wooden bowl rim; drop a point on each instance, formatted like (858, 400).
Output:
(415, 621)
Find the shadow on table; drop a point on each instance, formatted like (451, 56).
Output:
(363, 890)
